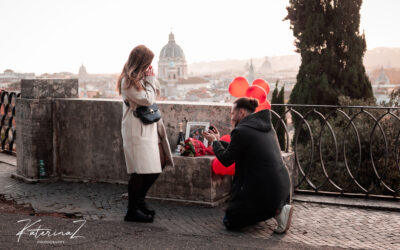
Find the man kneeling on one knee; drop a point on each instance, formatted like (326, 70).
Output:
(261, 185)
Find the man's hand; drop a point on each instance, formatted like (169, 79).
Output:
(209, 136)
(212, 135)
(216, 132)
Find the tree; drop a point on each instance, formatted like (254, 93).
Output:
(275, 93)
(395, 97)
(278, 98)
(281, 110)
(331, 47)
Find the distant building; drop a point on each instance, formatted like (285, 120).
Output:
(82, 72)
(173, 73)
(172, 63)
(266, 67)
(11, 76)
(250, 76)
(382, 78)
(384, 81)
(97, 85)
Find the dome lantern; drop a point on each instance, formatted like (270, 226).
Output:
(171, 38)
(171, 49)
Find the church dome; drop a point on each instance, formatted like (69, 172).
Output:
(82, 70)
(266, 64)
(382, 78)
(172, 50)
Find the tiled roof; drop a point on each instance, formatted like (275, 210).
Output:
(192, 80)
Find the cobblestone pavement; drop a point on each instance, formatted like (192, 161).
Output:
(313, 224)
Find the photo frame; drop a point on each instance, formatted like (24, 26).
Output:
(195, 130)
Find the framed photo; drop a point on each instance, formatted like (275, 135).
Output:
(195, 130)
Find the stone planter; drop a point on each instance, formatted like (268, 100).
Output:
(191, 181)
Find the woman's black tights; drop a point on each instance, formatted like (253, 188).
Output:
(138, 186)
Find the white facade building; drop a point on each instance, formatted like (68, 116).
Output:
(173, 73)
(172, 63)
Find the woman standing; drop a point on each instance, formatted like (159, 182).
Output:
(146, 147)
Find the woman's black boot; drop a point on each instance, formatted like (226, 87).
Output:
(141, 204)
(138, 216)
(135, 191)
(149, 180)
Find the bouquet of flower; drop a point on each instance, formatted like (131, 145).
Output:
(187, 148)
(193, 147)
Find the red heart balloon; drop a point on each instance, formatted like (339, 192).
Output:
(257, 92)
(226, 138)
(238, 87)
(262, 83)
(217, 166)
(220, 169)
(264, 105)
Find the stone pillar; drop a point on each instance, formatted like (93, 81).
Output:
(34, 124)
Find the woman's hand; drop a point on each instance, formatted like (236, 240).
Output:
(149, 71)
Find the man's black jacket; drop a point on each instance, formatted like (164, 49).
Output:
(261, 183)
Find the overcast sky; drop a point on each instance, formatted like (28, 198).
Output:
(59, 35)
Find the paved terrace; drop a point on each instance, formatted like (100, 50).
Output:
(314, 225)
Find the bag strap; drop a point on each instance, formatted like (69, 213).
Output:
(143, 82)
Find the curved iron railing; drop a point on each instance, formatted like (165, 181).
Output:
(342, 150)
(7, 121)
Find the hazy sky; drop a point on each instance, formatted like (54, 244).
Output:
(59, 35)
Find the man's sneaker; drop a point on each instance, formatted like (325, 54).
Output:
(284, 219)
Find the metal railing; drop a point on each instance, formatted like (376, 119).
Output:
(7, 122)
(342, 150)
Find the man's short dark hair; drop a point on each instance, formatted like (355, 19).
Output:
(249, 104)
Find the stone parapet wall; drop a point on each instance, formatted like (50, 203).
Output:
(88, 141)
(49, 88)
(81, 138)
(175, 112)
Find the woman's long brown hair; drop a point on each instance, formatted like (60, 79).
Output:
(139, 60)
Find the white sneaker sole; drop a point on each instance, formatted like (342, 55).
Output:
(288, 221)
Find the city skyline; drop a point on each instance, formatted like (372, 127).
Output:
(55, 36)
